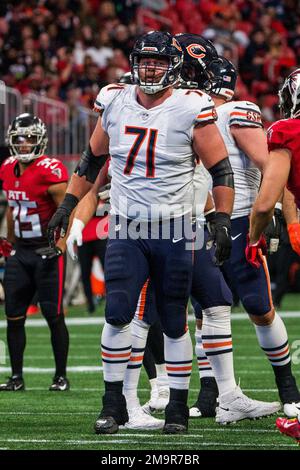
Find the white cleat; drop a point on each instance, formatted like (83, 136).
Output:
(235, 406)
(158, 401)
(140, 420)
(291, 410)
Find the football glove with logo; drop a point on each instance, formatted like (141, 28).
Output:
(5, 247)
(254, 252)
(273, 232)
(60, 220)
(220, 236)
(75, 237)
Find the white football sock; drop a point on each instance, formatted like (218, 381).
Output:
(217, 344)
(116, 350)
(204, 366)
(273, 340)
(179, 356)
(139, 333)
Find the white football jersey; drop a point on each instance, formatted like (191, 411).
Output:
(152, 161)
(246, 175)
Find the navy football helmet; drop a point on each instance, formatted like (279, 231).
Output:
(27, 137)
(223, 77)
(156, 45)
(199, 53)
(289, 96)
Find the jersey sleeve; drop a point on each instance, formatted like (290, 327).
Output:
(203, 108)
(279, 135)
(106, 96)
(54, 171)
(246, 114)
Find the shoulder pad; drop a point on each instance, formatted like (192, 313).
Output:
(245, 113)
(201, 105)
(106, 96)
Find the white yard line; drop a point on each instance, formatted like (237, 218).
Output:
(50, 370)
(33, 322)
(163, 442)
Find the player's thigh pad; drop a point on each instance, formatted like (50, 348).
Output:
(50, 276)
(126, 271)
(19, 287)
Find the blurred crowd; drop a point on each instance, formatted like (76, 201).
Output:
(68, 49)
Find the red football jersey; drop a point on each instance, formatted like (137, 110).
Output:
(27, 195)
(284, 134)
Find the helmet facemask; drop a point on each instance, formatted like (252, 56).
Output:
(289, 96)
(153, 78)
(28, 143)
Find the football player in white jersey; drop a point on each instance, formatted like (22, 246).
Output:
(240, 125)
(152, 132)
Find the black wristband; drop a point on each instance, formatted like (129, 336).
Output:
(70, 202)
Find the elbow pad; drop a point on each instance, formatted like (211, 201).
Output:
(222, 174)
(89, 165)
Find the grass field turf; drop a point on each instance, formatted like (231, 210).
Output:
(39, 419)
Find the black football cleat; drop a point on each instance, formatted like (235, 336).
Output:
(14, 384)
(206, 403)
(113, 414)
(176, 418)
(60, 384)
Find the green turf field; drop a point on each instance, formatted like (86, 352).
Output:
(39, 419)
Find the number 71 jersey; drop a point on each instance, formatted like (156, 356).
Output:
(28, 198)
(152, 161)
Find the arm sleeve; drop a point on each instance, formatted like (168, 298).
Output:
(245, 114)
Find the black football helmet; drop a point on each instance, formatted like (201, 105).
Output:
(27, 137)
(223, 77)
(289, 96)
(199, 53)
(156, 44)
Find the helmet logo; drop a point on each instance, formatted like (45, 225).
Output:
(176, 44)
(196, 50)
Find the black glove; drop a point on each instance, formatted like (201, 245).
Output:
(60, 220)
(220, 237)
(49, 252)
(274, 231)
(210, 221)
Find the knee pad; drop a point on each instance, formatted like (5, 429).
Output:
(178, 278)
(174, 321)
(256, 304)
(49, 311)
(198, 312)
(118, 310)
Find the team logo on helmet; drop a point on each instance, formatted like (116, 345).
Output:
(196, 50)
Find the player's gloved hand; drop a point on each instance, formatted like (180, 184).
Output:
(5, 247)
(49, 252)
(220, 237)
(273, 232)
(75, 236)
(104, 192)
(60, 220)
(294, 236)
(255, 251)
